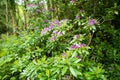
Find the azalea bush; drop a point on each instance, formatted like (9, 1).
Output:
(54, 52)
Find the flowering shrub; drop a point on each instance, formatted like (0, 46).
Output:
(56, 52)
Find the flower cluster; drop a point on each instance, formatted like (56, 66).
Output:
(55, 34)
(77, 36)
(53, 24)
(45, 21)
(52, 38)
(77, 46)
(45, 30)
(38, 10)
(30, 5)
(82, 10)
(77, 17)
(64, 54)
(92, 22)
(72, 1)
(42, 3)
(74, 47)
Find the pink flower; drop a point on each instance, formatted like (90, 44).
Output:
(52, 38)
(77, 17)
(82, 10)
(78, 57)
(72, 1)
(63, 54)
(77, 36)
(51, 25)
(55, 32)
(74, 47)
(59, 33)
(77, 46)
(45, 21)
(82, 45)
(92, 22)
(42, 3)
(30, 5)
(44, 30)
(57, 22)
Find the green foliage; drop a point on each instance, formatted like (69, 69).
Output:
(64, 40)
(34, 55)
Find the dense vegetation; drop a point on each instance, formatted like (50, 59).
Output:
(59, 40)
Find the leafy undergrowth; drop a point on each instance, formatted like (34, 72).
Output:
(61, 51)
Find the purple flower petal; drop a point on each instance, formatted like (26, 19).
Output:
(45, 21)
(77, 17)
(78, 57)
(55, 32)
(82, 45)
(77, 36)
(72, 1)
(74, 47)
(92, 22)
(42, 3)
(63, 54)
(30, 5)
(82, 10)
(52, 38)
(57, 22)
(44, 30)
(51, 25)
(60, 33)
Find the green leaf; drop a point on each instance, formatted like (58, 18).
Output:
(73, 72)
(5, 59)
(116, 12)
(64, 70)
(77, 61)
(78, 72)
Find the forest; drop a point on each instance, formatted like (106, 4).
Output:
(59, 39)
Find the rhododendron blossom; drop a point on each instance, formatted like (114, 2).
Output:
(72, 1)
(42, 3)
(56, 22)
(44, 30)
(64, 55)
(77, 46)
(92, 22)
(51, 25)
(82, 45)
(77, 36)
(77, 17)
(74, 47)
(30, 5)
(52, 38)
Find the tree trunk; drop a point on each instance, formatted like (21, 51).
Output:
(13, 21)
(7, 17)
(25, 16)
